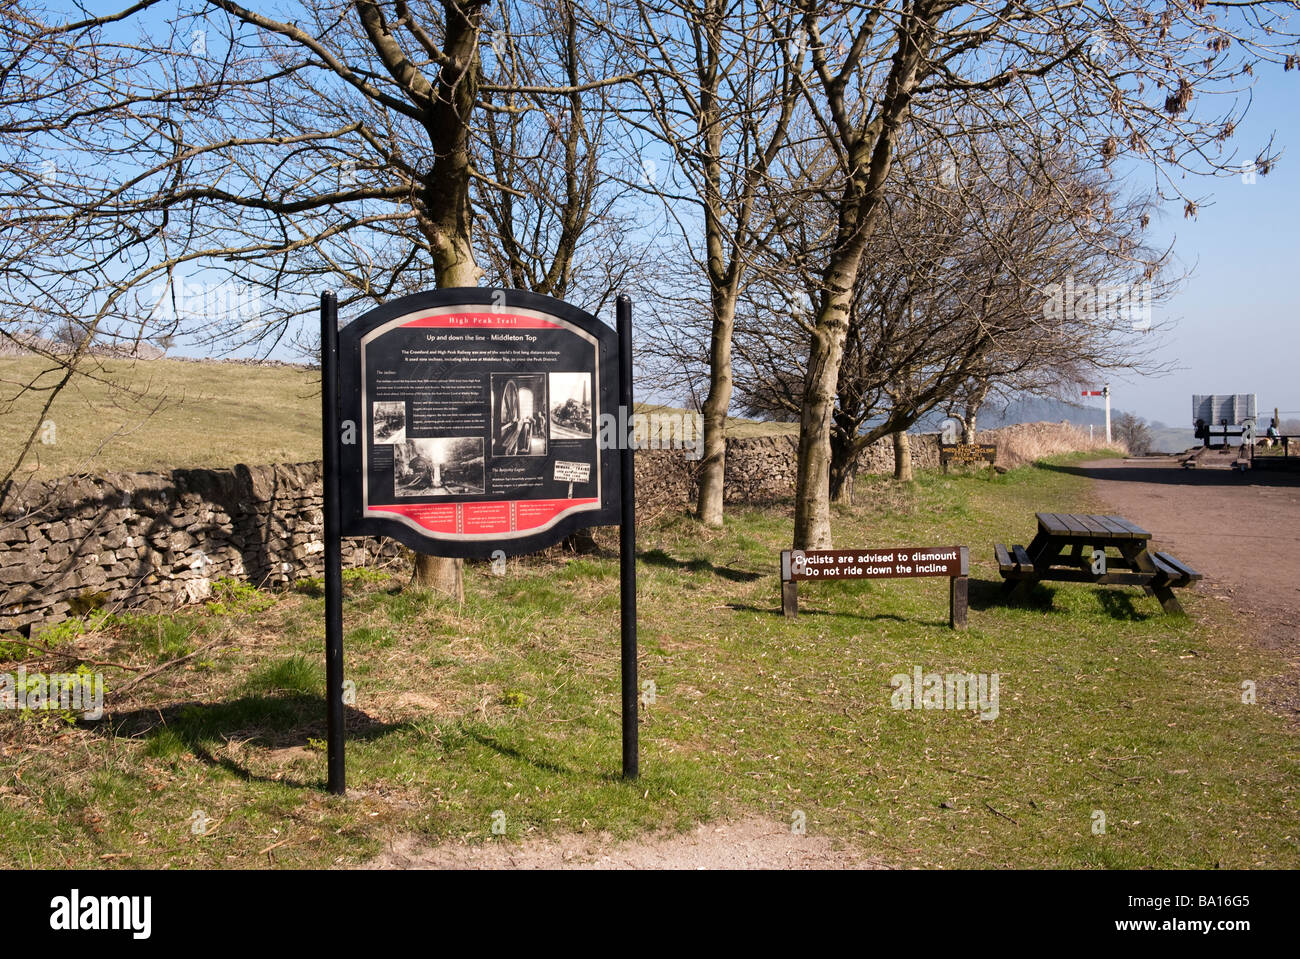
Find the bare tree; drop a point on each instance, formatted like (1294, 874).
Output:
(718, 99)
(276, 156)
(1134, 433)
(956, 293)
(61, 320)
(1111, 81)
(557, 222)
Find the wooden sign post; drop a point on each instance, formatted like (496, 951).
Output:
(829, 565)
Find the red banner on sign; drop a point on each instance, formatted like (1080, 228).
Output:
(481, 519)
(483, 320)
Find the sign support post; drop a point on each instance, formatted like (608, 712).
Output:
(627, 544)
(329, 347)
(959, 592)
(1105, 391)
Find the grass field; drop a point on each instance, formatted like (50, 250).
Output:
(137, 415)
(509, 704)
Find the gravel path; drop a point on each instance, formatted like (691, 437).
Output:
(1241, 530)
(744, 844)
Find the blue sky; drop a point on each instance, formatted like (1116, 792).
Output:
(1232, 326)
(1236, 316)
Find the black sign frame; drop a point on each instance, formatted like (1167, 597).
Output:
(354, 397)
(617, 500)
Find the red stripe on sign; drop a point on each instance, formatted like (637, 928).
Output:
(435, 517)
(534, 513)
(1093, 393)
(506, 321)
(484, 518)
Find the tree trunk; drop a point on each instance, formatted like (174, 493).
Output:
(869, 155)
(902, 456)
(583, 543)
(713, 465)
(844, 467)
(722, 273)
(973, 404)
(842, 486)
(812, 504)
(447, 218)
(455, 267)
(440, 574)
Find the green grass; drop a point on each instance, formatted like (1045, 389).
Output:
(511, 703)
(737, 426)
(163, 637)
(175, 414)
(137, 415)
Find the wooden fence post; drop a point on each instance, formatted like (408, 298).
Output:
(959, 593)
(789, 588)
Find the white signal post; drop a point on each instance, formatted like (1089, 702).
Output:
(1104, 392)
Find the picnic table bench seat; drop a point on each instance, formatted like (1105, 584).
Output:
(1013, 563)
(1073, 548)
(1175, 572)
(1006, 565)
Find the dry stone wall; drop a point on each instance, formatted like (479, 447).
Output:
(155, 541)
(759, 469)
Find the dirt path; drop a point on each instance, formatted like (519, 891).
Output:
(1241, 530)
(747, 844)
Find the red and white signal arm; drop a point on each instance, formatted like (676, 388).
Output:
(476, 418)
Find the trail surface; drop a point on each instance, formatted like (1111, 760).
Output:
(744, 844)
(1241, 530)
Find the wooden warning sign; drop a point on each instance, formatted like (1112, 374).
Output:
(968, 453)
(828, 565)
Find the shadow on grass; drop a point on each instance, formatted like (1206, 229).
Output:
(272, 721)
(836, 614)
(545, 764)
(657, 557)
(984, 594)
(1118, 604)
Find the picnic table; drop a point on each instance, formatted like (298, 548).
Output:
(1080, 548)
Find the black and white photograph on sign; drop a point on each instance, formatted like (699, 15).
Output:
(450, 466)
(571, 406)
(518, 414)
(390, 421)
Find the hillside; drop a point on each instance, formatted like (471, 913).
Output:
(136, 415)
(158, 414)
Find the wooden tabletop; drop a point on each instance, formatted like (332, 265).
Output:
(1090, 526)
